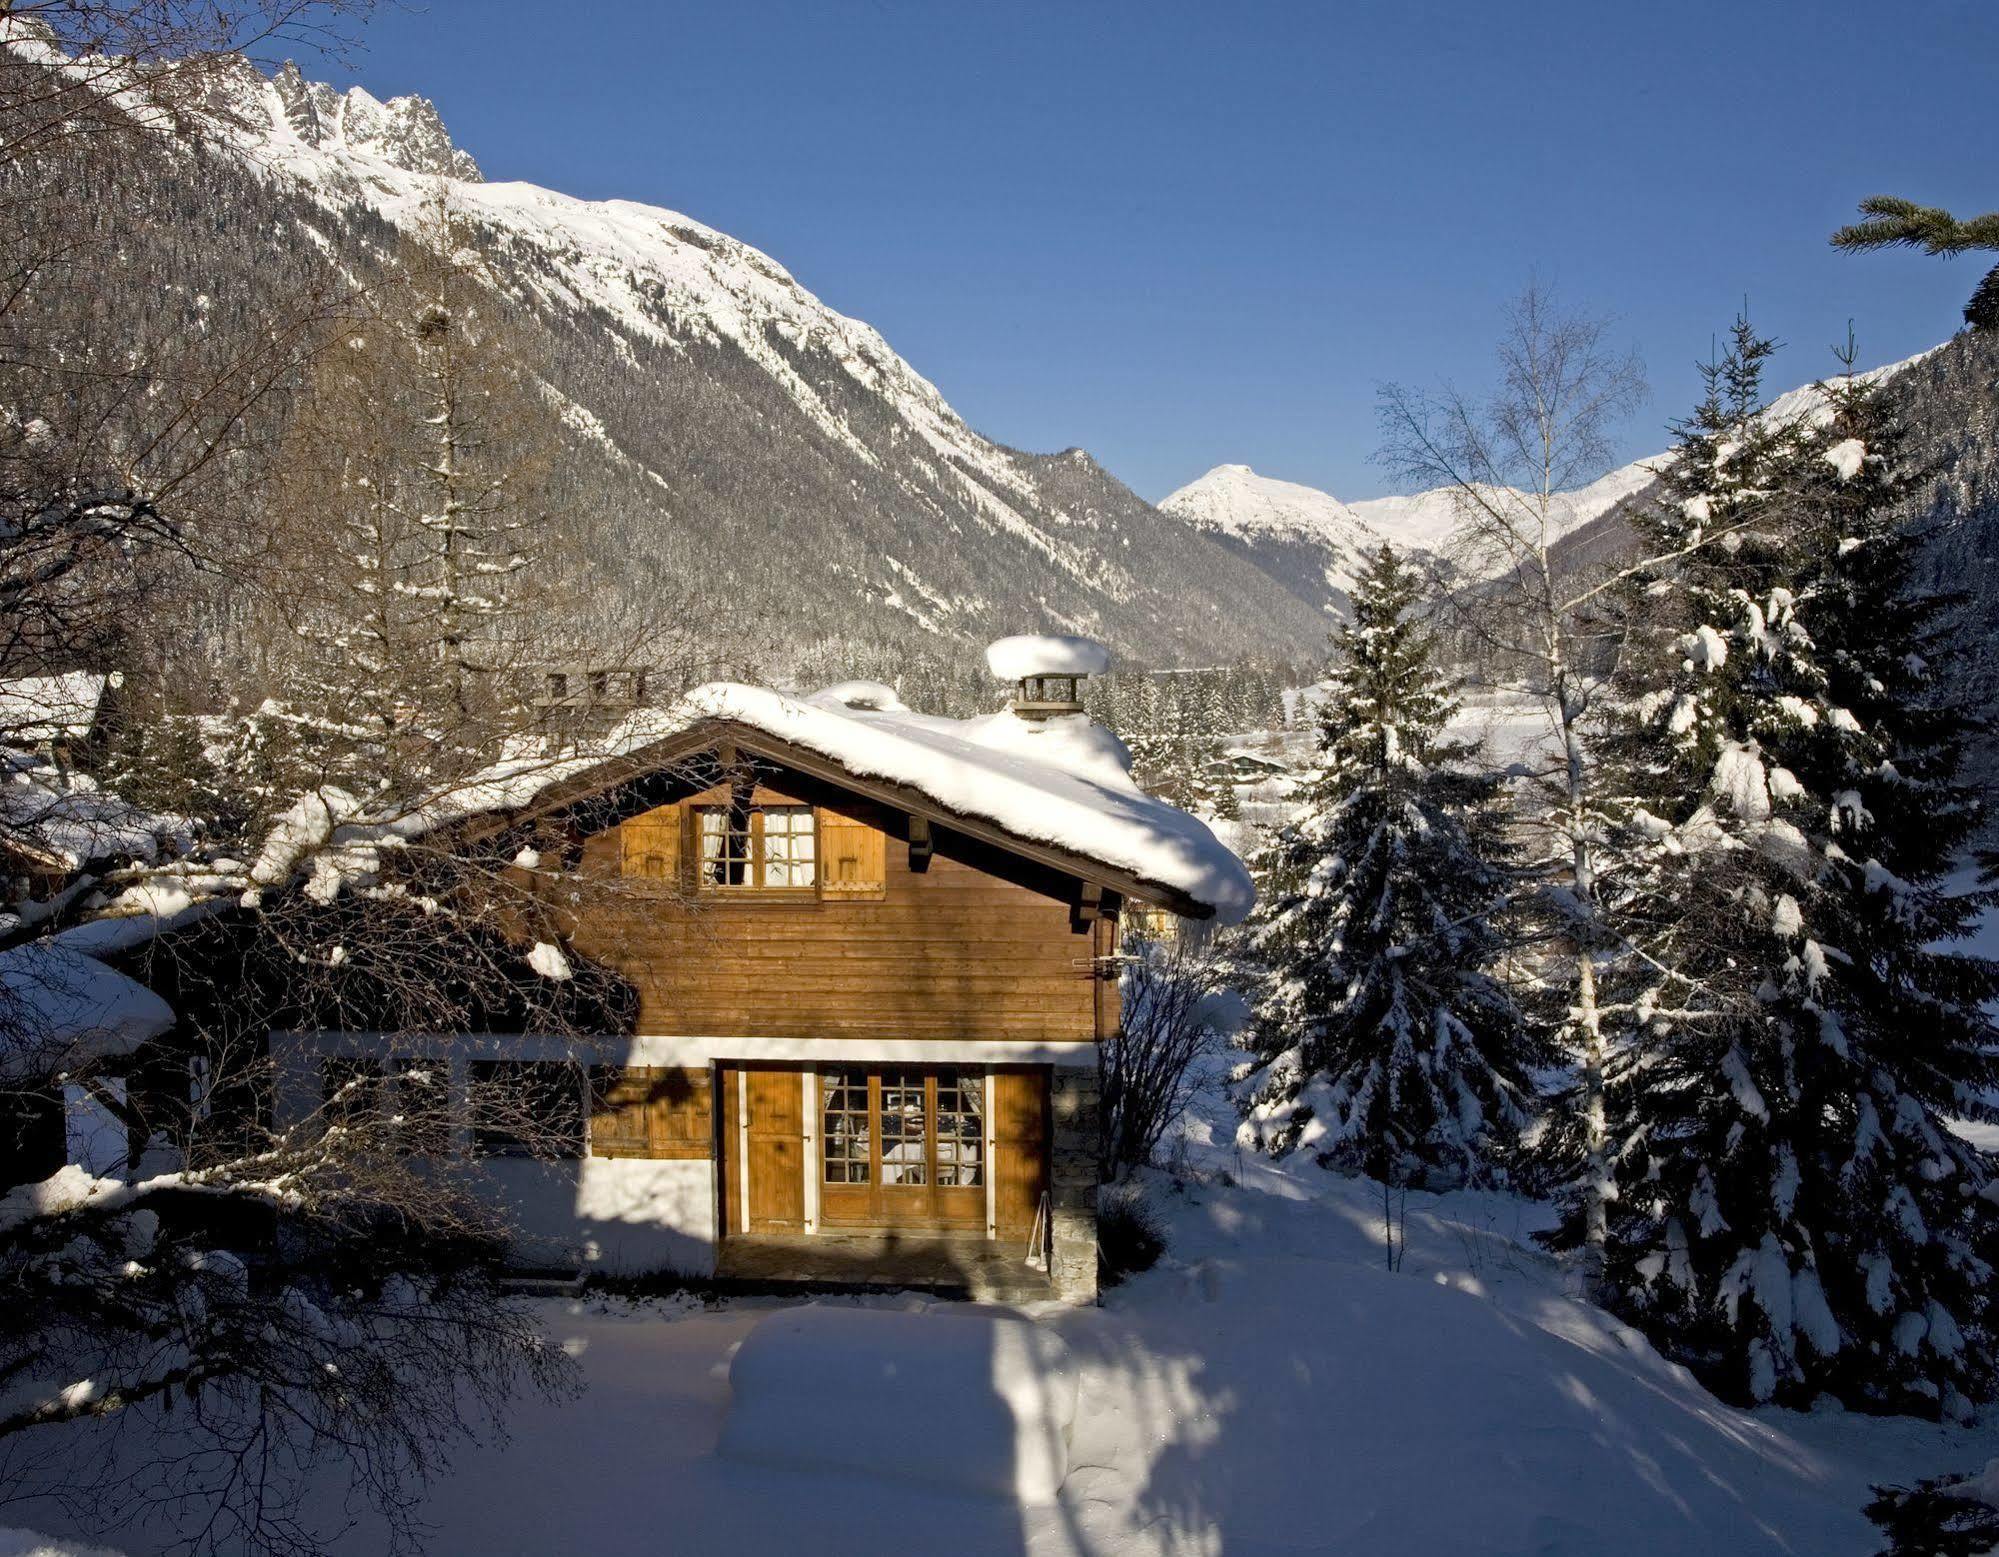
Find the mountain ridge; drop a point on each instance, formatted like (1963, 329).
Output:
(712, 404)
(1313, 543)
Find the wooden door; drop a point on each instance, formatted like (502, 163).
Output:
(1020, 1147)
(776, 1151)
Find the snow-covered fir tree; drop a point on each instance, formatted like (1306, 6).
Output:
(1382, 1041)
(1796, 1216)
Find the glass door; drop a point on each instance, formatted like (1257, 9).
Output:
(902, 1147)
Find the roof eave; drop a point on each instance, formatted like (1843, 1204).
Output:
(614, 771)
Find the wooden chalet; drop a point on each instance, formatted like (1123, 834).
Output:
(872, 955)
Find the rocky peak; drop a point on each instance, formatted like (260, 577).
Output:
(308, 106)
(405, 132)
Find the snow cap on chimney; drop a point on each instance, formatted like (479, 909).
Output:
(1047, 670)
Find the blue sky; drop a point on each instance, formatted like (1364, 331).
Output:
(1182, 234)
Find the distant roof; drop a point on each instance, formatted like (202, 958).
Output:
(60, 1009)
(50, 708)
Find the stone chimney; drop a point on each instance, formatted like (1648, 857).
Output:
(1048, 671)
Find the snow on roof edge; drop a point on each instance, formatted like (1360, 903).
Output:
(66, 1008)
(1080, 810)
(1077, 811)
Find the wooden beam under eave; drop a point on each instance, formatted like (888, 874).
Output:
(921, 845)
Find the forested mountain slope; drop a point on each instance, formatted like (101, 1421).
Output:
(730, 440)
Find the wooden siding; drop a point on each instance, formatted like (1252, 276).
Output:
(979, 945)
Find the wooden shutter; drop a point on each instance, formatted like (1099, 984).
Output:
(853, 857)
(653, 1111)
(681, 1120)
(618, 1111)
(649, 845)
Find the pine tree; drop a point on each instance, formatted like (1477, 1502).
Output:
(1894, 222)
(1796, 1216)
(1382, 1042)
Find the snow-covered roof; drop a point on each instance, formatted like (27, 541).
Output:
(1062, 782)
(67, 817)
(1046, 654)
(60, 1008)
(50, 708)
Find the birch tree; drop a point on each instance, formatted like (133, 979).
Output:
(1507, 460)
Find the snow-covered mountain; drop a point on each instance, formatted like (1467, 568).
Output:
(1307, 541)
(733, 441)
(1313, 544)
(726, 429)
(1424, 522)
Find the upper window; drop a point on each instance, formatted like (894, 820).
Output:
(770, 847)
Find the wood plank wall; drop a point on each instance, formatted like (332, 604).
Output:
(978, 946)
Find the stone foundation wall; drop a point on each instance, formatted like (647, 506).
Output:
(1072, 1105)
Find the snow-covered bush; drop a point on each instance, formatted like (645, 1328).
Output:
(1130, 1235)
(1946, 1516)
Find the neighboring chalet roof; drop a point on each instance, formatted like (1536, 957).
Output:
(60, 1009)
(66, 820)
(1059, 788)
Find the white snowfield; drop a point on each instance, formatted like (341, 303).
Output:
(1274, 1387)
(972, 1399)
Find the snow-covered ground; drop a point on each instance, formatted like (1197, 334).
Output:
(1273, 1387)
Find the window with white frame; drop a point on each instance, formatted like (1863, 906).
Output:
(774, 848)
